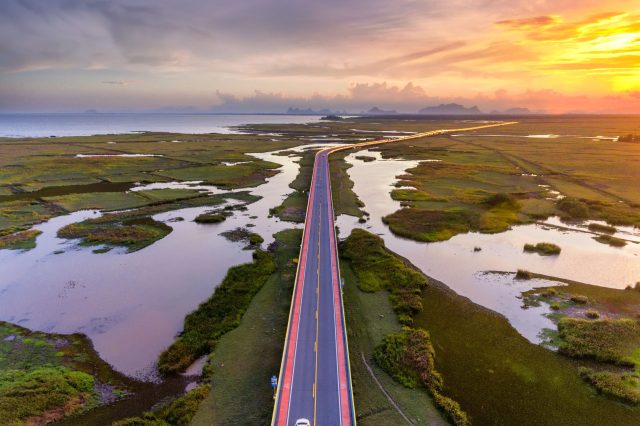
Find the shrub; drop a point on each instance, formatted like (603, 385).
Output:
(378, 269)
(597, 227)
(612, 241)
(573, 208)
(501, 200)
(25, 394)
(624, 387)
(218, 315)
(592, 313)
(210, 218)
(408, 357)
(604, 340)
(179, 412)
(523, 275)
(544, 249)
(579, 299)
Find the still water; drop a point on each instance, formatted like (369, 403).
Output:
(132, 305)
(455, 263)
(43, 125)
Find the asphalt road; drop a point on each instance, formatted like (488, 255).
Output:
(315, 382)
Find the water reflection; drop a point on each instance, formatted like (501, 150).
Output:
(457, 264)
(132, 305)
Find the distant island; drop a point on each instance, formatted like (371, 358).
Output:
(450, 109)
(377, 111)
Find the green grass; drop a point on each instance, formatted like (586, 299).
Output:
(408, 356)
(491, 214)
(345, 201)
(624, 387)
(543, 249)
(230, 177)
(370, 317)
(98, 201)
(134, 234)
(495, 373)
(615, 341)
(178, 412)
(69, 184)
(44, 392)
(210, 218)
(221, 313)
(522, 274)
(50, 375)
(24, 240)
(294, 207)
(598, 227)
(244, 359)
(377, 269)
(612, 241)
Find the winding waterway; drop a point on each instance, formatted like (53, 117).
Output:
(132, 305)
(456, 263)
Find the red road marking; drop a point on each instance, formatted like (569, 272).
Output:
(345, 408)
(285, 395)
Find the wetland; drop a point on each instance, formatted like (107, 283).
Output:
(113, 246)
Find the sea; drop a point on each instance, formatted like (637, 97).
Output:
(86, 124)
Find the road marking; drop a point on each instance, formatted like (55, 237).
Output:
(315, 377)
(288, 365)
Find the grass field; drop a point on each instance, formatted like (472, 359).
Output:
(370, 317)
(294, 207)
(243, 361)
(41, 178)
(451, 193)
(599, 324)
(46, 377)
(495, 373)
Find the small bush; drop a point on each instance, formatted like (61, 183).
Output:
(501, 200)
(408, 357)
(179, 412)
(597, 227)
(612, 241)
(592, 313)
(623, 387)
(543, 249)
(573, 208)
(523, 275)
(218, 315)
(604, 340)
(579, 299)
(210, 218)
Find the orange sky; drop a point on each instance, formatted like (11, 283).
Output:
(261, 55)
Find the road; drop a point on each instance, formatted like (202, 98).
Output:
(315, 378)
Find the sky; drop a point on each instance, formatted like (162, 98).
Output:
(555, 56)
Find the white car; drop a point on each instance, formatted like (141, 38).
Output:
(303, 422)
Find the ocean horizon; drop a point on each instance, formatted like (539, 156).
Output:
(25, 125)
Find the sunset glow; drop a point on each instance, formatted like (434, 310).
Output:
(561, 56)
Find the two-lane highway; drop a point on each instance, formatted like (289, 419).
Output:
(315, 378)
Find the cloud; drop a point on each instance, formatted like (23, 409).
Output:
(379, 67)
(116, 82)
(530, 23)
(410, 98)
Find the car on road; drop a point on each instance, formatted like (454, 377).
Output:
(303, 422)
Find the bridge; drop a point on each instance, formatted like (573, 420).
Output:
(315, 377)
